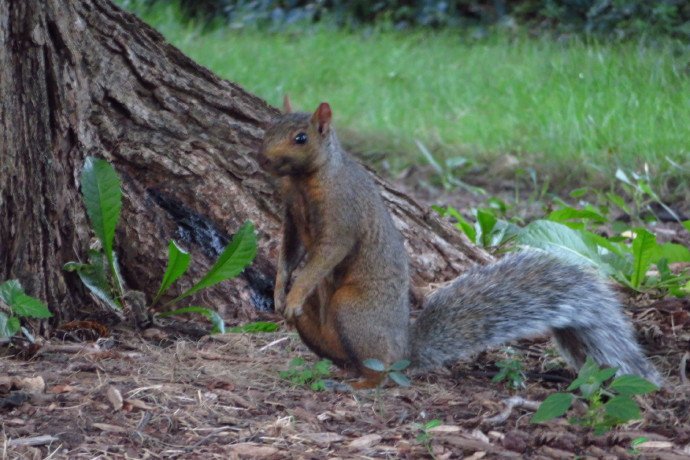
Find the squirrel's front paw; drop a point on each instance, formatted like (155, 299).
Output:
(292, 311)
(279, 301)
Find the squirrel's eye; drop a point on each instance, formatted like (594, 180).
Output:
(301, 138)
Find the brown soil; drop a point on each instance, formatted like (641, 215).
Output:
(152, 395)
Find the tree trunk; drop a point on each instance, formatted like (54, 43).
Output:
(82, 77)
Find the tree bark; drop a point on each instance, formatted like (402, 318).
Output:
(82, 77)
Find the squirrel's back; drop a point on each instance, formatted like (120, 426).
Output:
(524, 295)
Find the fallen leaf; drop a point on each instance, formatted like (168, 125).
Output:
(59, 389)
(115, 397)
(444, 429)
(110, 428)
(136, 404)
(252, 450)
(365, 441)
(31, 384)
(322, 439)
(654, 445)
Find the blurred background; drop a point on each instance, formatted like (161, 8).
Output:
(562, 94)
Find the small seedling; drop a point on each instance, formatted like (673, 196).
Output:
(302, 374)
(608, 405)
(102, 193)
(425, 436)
(636, 442)
(16, 304)
(510, 371)
(394, 372)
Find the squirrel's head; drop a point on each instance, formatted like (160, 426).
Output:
(295, 143)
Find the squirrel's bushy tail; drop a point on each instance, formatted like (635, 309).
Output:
(525, 295)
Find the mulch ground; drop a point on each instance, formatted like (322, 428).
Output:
(161, 394)
(152, 395)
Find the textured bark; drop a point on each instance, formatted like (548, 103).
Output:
(81, 77)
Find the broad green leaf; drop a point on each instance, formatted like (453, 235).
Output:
(588, 370)
(622, 408)
(462, 224)
(25, 305)
(672, 252)
(605, 374)
(432, 424)
(258, 326)
(618, 201)
(568, 213)
(564, 242)
(400, 379)
(374, 364)
(632, 385)
(21, 304)
(579, 192)
(9, 290)
(100, 186)
(400, 365)
(486, 222)
(94, 276)
(235, 257)
(212, 316)
(554, 406)
(8, 325)
(644, 246)
(178, 262)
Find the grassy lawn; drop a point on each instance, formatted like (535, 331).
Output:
(562, 106)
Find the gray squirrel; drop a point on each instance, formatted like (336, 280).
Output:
(349, 300)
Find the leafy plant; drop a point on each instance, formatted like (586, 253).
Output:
(394, 371)
(101, 190)
(607, 404)
(510, 371)
(425, 435)
(16, 304)
(300, 373)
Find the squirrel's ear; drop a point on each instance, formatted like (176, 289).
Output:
(287, 106)
(322, 117)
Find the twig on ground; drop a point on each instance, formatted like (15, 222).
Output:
(275, 342)
(511, 403)
(683, 367)
(33, 441)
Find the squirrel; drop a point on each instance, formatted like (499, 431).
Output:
(349, 300)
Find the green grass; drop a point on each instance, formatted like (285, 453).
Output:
(554, 104)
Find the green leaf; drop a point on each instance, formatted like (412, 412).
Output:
(432, 424)
(8, 325)
(554, 406)
(178, 262)
(486, 222)
(400, 379)
(462, 224)
(579, 192)
(258, 326)
(400, 365)
(632, 385)
(30, 307)
(643, 248)
(567, 213)
(672, 252)
(564, 242)
(622, 408)
(21, 304)
(235, 257)
(588, 370)
(100, 186)
(686, 224)
(94, 276)
(618, 201)
(374, 365)
(604, 374)
(212, 316)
